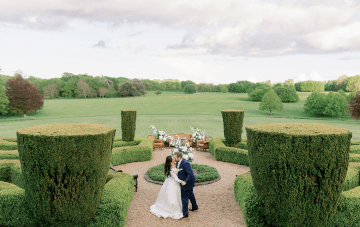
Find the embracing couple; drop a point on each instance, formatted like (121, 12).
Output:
(174, 195)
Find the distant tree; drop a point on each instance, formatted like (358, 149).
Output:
(309, 86)
(218, 88)
(184, 83)
(315, 104)
(353, 83)
(271, 101)
(23, 96)
(330, 85)
(116, 87)
(102, 91)
(258, 93)
(4, 101)
(127, 89)
(51, 90)
(354, 106)
(158, 92)
(139, 85)
(341, 82)
(289, 82)
(190, 89)
(225, 90)
(336, 105)
(83, 89)
(287, 93)
(70, 88)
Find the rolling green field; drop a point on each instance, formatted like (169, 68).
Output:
(173, 112)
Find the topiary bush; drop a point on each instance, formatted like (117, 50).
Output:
(233, 124)
(298, 170)
(64, 167)
(128, 124)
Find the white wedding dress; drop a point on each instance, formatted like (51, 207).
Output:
(168, 202)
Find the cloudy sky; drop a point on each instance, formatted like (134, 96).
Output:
(204, 40)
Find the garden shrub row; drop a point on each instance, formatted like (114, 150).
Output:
(5, 145)
(347, 213)
(111, 211)
(140, 153)
(223, 153)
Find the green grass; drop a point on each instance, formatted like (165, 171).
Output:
(171, 111)
(204, 173)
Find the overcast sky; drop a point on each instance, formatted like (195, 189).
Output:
(204, 41)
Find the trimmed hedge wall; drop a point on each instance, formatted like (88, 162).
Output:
(64, 167)
(128, 124)
(139, 153)
(295, 164)
(6, 145)
(346, 215)
(111, 211)
(228, 154)
(233, 124)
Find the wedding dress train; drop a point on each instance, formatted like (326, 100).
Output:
(168, 202)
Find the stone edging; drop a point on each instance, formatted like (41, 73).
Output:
(196, 184)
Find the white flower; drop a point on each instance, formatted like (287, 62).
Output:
(160, 137)
(186, 156)
(175, 150)
(184, 148)
(191, 156)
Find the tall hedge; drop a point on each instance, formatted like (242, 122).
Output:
(64, 167)
(298, 170)
(128, 124)
(233, 124)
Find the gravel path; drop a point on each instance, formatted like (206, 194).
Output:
(216, 201)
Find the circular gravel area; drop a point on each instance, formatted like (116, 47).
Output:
(216, 201)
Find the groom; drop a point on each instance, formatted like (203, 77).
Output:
(187, 184)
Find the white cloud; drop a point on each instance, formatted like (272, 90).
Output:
(312, 76)
(196, 70)
(227, 27)
(252, 79)
(182, 52)
(129, 44)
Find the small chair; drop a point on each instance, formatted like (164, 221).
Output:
(200, 144)
(156, 142)
(206, 142)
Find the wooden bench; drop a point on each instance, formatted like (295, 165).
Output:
(134, 175)
(182, 135)
(156, 142)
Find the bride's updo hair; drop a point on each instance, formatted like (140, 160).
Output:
(167, 165)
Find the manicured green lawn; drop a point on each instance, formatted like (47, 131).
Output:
(171, 111)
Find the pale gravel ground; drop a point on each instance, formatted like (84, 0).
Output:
(216, 201)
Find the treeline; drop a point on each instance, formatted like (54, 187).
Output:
(83, 85)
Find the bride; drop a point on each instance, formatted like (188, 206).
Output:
(168, 202)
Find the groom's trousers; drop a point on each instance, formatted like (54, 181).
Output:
(185, 196)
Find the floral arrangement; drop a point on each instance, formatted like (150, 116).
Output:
(197, 135)
(159, 133)
(181, 146)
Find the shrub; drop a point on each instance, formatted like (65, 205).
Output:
(309, 86)
(257, 94)
(64, 168)
(228, 154)
(287, 93)
(128, 124)
(315, 104)
(233, 124)
(190, 89)
(4, 101)
(158, 92)
(138, 153)
(271, 102)
(111, 94)
(287, 181)
(225, 90)
(336, 105)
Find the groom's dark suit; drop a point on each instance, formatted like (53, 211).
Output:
(187, 175)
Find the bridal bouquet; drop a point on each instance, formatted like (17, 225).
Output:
(159, 133)
(181, 146)
(197, 135)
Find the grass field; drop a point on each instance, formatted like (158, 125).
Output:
(171, 111)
